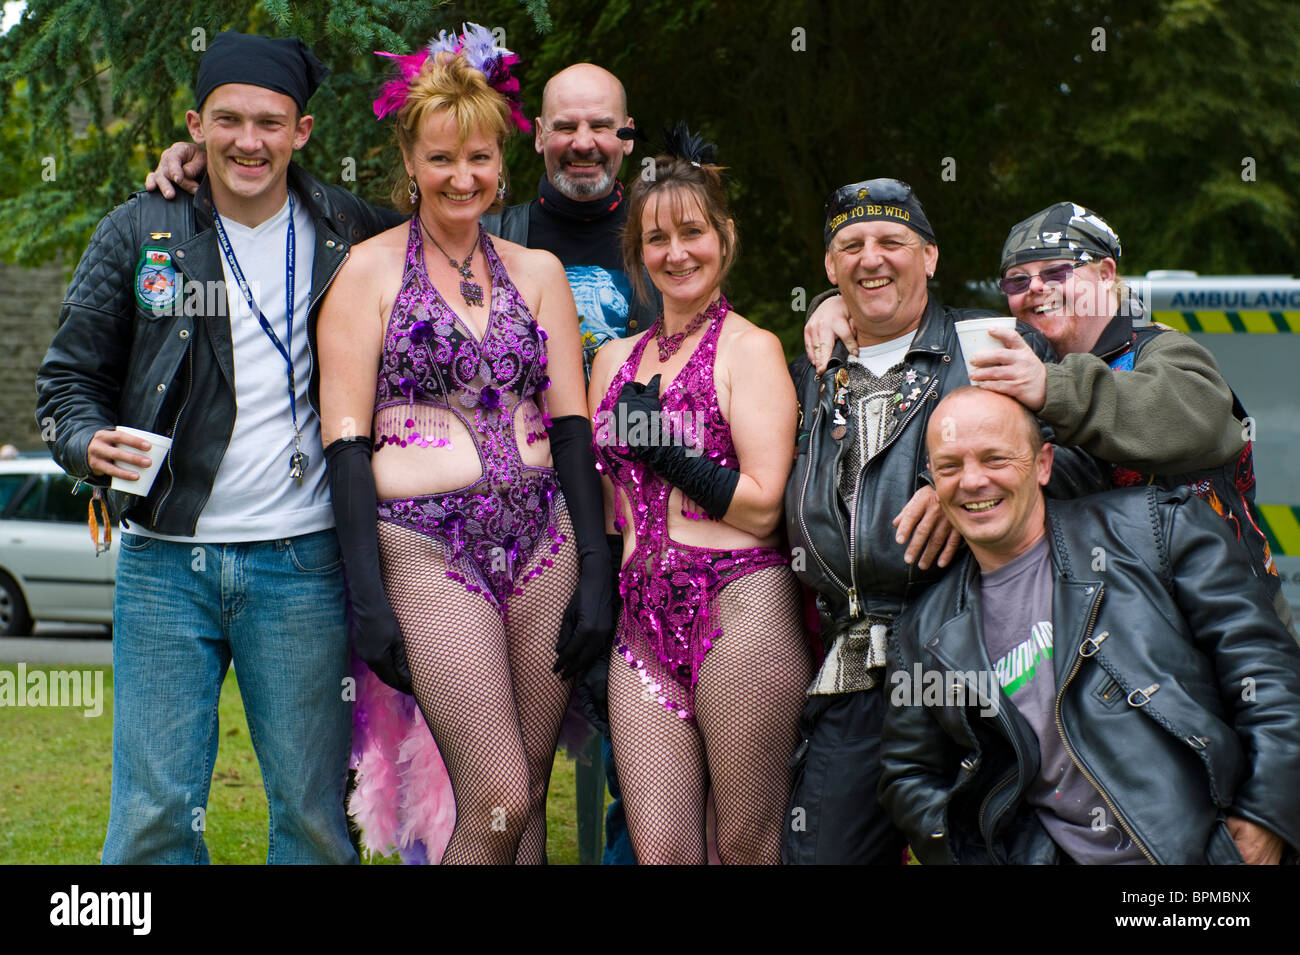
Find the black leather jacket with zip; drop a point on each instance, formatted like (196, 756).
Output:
(1178, 694)
(115, 362)
(851, 559)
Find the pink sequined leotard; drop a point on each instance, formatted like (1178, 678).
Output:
(669, 588)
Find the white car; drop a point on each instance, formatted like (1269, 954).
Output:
(48, 567)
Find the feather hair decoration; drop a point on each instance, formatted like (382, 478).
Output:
(393, 93)
(681, 143)
(478, 45)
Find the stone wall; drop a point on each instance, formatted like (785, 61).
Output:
(29, 312)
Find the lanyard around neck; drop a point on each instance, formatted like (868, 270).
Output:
(228, 251)
(298, 461)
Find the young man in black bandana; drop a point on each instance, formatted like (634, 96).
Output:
(192, 319)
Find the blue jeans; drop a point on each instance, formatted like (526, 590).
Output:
(182, 613)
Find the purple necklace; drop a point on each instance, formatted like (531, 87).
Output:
(669, 344)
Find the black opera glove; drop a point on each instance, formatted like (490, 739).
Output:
(372, 625)
(588, 623)
(708, 484)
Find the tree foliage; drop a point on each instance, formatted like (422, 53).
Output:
(102, 87)
(1172, 118)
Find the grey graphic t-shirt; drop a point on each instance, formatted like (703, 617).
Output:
(1018, 635)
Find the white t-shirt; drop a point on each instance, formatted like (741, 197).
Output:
(878, 359)
(253, 498)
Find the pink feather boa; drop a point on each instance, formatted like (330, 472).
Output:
(403, 798)
(403, 795)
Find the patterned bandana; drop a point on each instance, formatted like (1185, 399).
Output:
(1064, 230)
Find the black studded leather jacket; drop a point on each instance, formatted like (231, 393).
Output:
(845, 550)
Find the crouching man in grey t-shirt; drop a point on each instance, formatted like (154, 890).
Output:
(1154, 695)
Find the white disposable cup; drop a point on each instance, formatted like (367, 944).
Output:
(975, 338)
(161, 445)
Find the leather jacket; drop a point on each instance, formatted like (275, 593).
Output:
(852, 560)
(114, 361)
(1177, 694)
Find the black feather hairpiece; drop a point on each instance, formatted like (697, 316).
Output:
(681, 143)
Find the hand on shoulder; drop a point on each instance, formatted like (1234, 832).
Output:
(610, 357)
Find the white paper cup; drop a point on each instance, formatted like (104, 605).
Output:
(975, 338)
(161, 445)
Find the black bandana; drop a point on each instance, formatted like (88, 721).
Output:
(284, 66)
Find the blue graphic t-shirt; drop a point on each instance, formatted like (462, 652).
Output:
(586, 236)
(603, 297)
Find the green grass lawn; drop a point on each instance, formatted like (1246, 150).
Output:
(55, 767)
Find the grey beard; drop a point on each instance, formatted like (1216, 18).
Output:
(583, 190)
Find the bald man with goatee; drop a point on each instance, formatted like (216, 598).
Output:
(583, 135)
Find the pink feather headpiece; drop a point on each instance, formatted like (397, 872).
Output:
(481, 52)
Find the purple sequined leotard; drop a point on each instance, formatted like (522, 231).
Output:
(433, 367)
(669, 588)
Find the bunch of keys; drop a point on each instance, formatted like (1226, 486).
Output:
(298, 462)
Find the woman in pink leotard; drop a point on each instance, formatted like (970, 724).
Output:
(694, 425)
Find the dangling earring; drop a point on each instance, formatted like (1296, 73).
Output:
(501, 187)
(412, 189)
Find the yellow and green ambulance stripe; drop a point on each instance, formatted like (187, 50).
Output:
(1281, 525)
(1257, 323)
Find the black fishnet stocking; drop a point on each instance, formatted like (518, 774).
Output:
(747, 705)
(487, 714)
(661, 770)
(541, 697)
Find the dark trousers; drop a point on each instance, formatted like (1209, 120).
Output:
(618, 841)
(834, 817)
